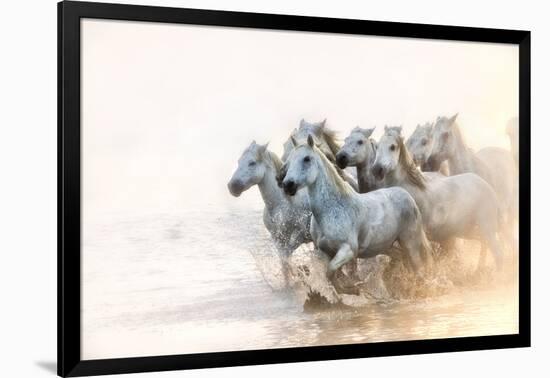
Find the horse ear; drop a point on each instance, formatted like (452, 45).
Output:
(399, 129)
(294, 143)
(323, 123)
(453, 118)
(263, 148)
(386, 128)
(368, 132)
(302, 122)
(310, 141)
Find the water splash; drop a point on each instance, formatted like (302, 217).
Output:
(381, 279)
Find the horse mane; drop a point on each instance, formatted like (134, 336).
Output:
(333, 175)
(373, 146)
(414, 175)
(330, 137)
(274, 160)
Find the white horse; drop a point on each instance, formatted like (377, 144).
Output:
(286, 218)
(324, 138)
(494, 165)
(359, 151)
(420, 144)
(462, 206)
(346, 224)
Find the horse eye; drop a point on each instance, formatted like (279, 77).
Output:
(424, 141)
(307, 159)
(252, 163)
(392, 147)
(359, 142)
(445, 135)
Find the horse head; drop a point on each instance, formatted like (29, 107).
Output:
(300, 169)
(250, 170)
(358, 148)
(420, 143)
(445, 135)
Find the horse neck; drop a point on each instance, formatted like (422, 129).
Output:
(325, 195)
(399, 177)
(272, 195)
(462, 158)
(364, 177)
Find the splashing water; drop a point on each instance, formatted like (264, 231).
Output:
(212, 281)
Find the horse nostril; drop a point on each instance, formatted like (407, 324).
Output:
(289, 187)
(378, 172)
(235, 188)
(342, 160)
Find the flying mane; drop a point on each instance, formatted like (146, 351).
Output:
(329, 136)
(332, 174)
(414, 175)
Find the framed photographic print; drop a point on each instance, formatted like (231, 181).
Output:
(239, 188)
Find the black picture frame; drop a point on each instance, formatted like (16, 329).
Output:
(69, 157)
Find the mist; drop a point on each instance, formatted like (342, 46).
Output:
(168, 109)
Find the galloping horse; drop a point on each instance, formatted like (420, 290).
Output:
(286, 218)
(462, 206)
(345, 224)
(359, 151)
(324, 138)
(494, 165)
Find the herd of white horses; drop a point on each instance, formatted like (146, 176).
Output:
(430, 188)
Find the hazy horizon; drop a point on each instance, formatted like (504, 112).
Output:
(168, 109)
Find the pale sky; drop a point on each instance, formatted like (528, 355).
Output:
(168, 109)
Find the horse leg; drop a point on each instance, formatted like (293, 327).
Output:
(494, 245)
(412, 256)
(344, 255)
(284, 255)
(448, 248)
(416, 245)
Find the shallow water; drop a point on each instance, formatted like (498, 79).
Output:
(208, 281)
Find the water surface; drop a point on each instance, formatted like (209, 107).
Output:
(207, 281)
